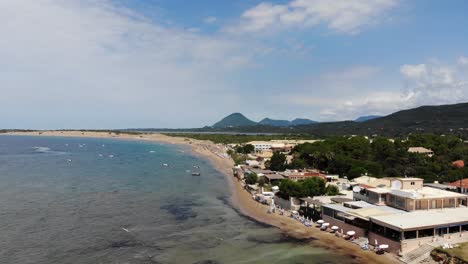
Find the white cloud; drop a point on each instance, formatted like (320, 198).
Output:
(463, 60)
(210, 20)
(431, 83)
(343, 16)
(435, 83)
(82, 63)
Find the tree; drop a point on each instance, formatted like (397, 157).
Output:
(249, 148)
(278, 161)
(290, 188)
(298, 163)
(356, 172)
(240, 149)
(261, 181)
(332, 190)
(314, 186)
(251, 178)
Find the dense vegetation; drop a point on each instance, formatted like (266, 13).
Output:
(310, 187)
(355, 156)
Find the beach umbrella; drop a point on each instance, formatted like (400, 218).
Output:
(351, 233)
(334, 228)
(320, 221)
(325, 224)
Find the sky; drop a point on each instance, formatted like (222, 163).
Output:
(179, 64)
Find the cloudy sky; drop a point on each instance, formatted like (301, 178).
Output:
(179, 63)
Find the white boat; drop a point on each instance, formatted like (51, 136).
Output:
(165, 164)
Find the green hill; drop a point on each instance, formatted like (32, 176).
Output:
(235, 120)
(272, 122)
(366, 118)
(302, 121)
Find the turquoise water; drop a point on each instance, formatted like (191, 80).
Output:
(76, 200)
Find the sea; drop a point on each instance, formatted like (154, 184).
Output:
(96, 201)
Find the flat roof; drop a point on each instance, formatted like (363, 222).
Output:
(363, 204)
(440, 186)
(427, 193)
(341, 199)
(338, 207)
(274, 176)
(379, 190)
(423, 218)
(410, 179)
(366, 213)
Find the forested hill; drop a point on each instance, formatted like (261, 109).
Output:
(425, 119)
(443, 119)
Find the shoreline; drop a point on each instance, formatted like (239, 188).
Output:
(240, 199)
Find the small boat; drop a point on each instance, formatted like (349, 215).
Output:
(165, 165)
(196, 174)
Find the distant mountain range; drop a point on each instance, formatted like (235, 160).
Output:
(425, 119)
(239, 120)
(286, 123)
(441, 119)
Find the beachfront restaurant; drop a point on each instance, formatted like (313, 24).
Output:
(408, 231)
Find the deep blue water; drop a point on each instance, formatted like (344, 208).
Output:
(76, 200)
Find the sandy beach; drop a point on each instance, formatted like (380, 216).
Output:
(241, 199)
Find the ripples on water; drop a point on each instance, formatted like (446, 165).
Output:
(73, 200)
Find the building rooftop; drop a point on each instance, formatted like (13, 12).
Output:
(363, 204)
(426, 192)
(338, 207)
(274, 176)
(365, 213)
(420, 150)
(440, 186)
(380, 190)
(423, 219)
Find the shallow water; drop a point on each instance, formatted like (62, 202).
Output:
(76, 200)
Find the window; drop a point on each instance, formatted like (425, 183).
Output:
(412, 183)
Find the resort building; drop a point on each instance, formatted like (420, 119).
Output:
(299, 176)
(278, 145)
(421, 150)
(404, 216)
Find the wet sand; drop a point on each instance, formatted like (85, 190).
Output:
(241, 199)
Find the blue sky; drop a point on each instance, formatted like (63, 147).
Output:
(174, 63)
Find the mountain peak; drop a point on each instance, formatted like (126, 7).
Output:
(235, 120)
